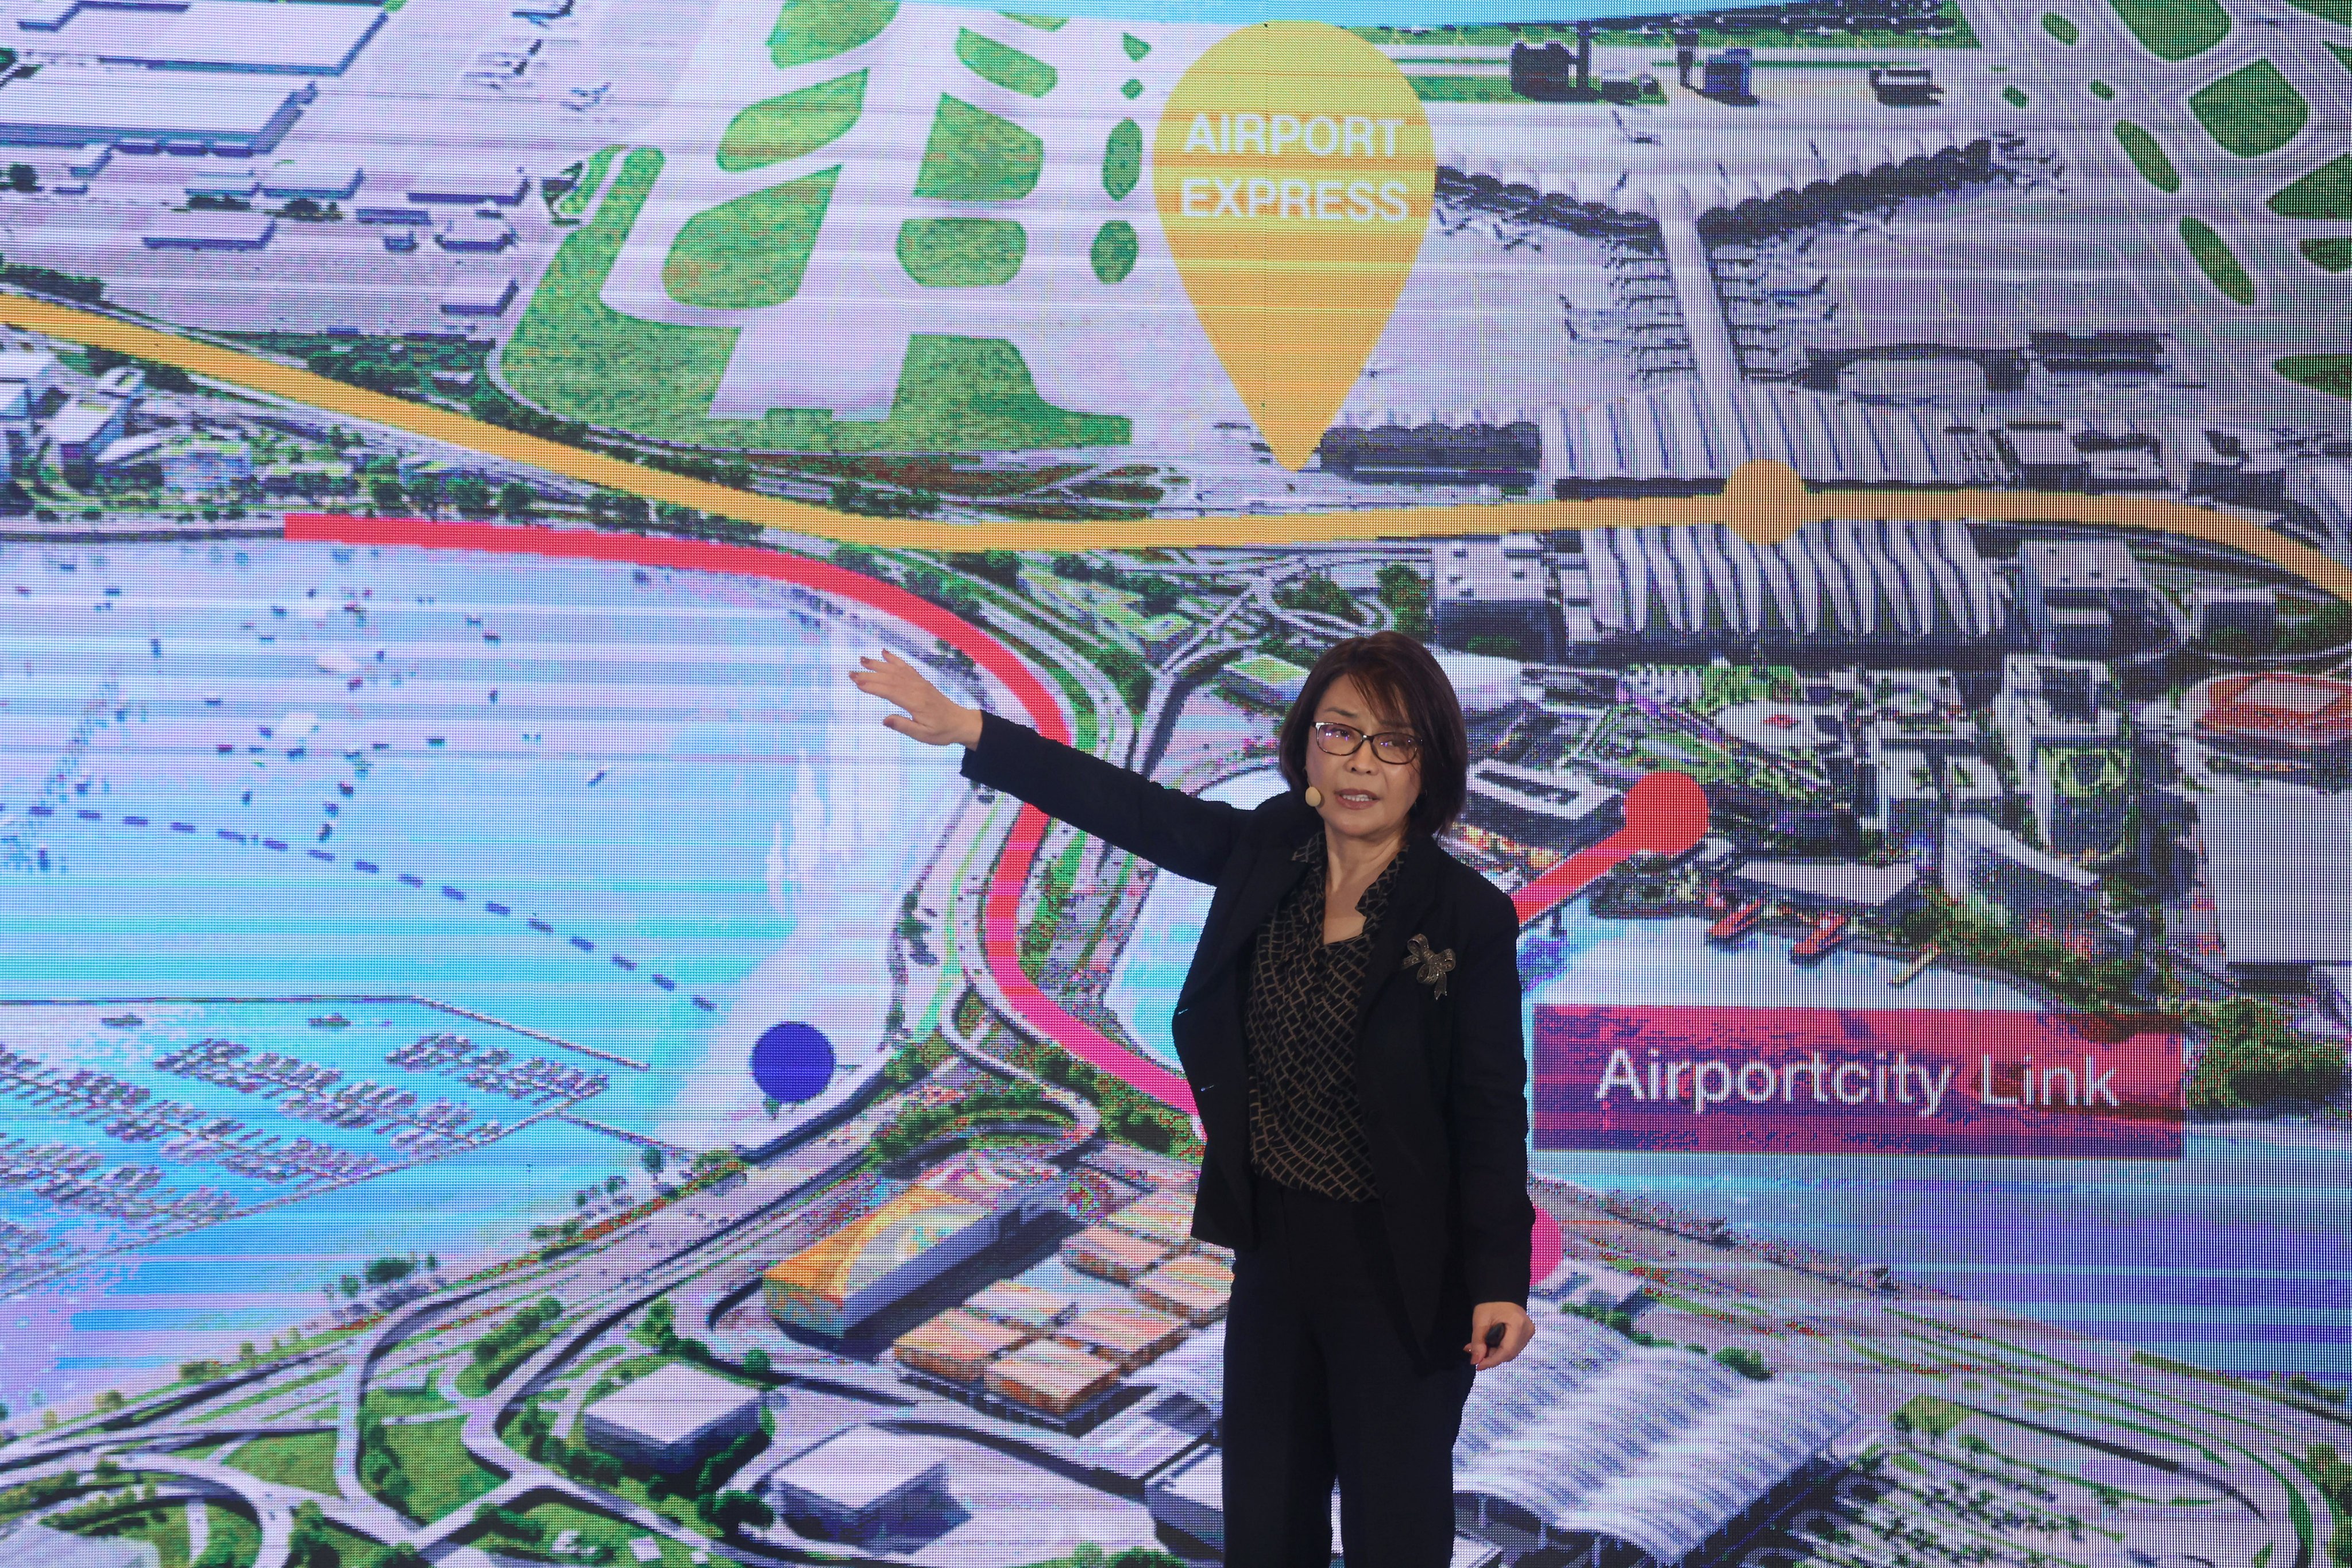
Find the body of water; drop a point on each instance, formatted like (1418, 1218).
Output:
(643, 812)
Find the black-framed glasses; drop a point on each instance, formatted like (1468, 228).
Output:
(1396, 746)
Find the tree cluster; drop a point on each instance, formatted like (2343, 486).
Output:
(916, 1125)
(1406, 596)
(496, 1352)
(1316, 594)
(1155, 595)
(2251, 1058)
(1127, 1115)
(848, 495)
(49, 281)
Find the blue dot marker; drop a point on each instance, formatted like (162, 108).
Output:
(791, 1063)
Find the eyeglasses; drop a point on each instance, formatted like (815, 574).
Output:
(1397, 746)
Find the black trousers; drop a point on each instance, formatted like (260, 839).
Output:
(1323, 1381)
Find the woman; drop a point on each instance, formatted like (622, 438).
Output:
(1350, 1031)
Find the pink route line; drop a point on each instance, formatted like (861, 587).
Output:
(1663, 812)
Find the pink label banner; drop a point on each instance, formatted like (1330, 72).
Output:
(1823, 1080)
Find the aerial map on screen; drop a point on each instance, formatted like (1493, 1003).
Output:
(505, 1059)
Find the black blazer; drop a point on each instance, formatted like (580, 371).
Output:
(1443, 1080)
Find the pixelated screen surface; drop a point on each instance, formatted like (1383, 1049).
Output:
(504, 1058)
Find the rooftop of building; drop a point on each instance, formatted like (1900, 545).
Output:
(2103, 566)
(1654, 1447)
(869, 1247)
(295, 36)
(2274, 706)
(2280, 864)
(673, 1403)
(1974, 832)
(857, 1468)
(152, 103)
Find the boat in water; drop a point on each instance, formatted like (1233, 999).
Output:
(1828, 931)
(331, 1021)
(1738, 923)
(123, 1021)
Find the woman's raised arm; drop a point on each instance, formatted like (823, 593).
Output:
(1179, 832)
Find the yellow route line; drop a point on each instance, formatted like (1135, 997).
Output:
(1763, 501)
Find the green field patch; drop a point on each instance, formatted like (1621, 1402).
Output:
(1465, 89)
(750, 252)
(2222, 267)
(976, 156)
(2014, 96)
(808, 30)
(2058, 27)
(961, 252)
(2325, 193)
(974, 395)
(2173, 29)
(1130, 88)
(1122, 159)
(2343, 55)
(1135, 48)
(243, 1536)
(442, 1475)
(580, 358)
(1007, 66)
(792, 125)
(1935, 1416)
(162, 1525)
(2330, 374)
(305, 1460)
(2102, 91)
(2251, 111)
(1043, 24)
(2337, 11)
(1113, 254)
(2330, 254)
(2147, 157)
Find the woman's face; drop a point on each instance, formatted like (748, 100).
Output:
(1363, 796)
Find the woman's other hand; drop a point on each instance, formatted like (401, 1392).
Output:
(1518, 1329)
(929, 716)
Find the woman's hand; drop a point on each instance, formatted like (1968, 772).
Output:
(929, 717)
(1518, 1329)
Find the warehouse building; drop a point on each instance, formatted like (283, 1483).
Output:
(672, 1419)
(477, 296)
(470, 183)
(858, 1484)
(67, 108)
(320, 182)
(292, 37)
(208, 230)
(1490, 594)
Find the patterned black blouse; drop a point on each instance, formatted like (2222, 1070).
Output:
(1307, 1128)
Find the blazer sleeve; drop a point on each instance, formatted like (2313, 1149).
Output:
(1488, 1106)
(1179, 832)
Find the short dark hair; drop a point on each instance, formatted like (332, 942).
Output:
(1399, 677)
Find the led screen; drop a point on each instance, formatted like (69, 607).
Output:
(504, 1058)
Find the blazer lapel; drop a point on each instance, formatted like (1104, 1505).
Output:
(1268, 880)
(1409, 901)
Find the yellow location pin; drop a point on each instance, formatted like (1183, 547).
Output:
(1294, 172)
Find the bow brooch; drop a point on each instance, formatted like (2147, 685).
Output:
(1433, 965)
